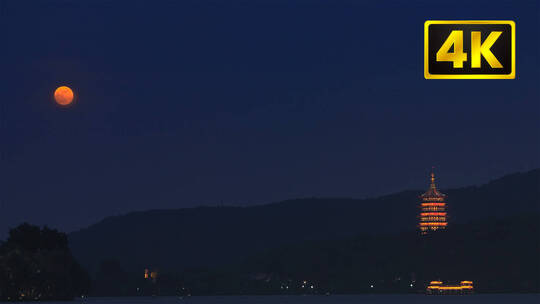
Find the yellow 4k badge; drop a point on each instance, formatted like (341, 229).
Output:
(481, 49)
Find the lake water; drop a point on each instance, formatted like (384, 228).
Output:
(334, 299)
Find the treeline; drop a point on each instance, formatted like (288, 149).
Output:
(498, 255)
(36, 264)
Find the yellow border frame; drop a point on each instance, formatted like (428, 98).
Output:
(427, 75)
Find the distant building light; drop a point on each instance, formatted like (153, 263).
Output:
(465, 286)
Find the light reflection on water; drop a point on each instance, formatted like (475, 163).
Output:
(334, 299)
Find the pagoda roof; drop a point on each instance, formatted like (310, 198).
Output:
(432, 192)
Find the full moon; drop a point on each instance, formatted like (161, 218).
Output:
(63, 95)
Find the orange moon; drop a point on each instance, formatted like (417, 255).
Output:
(63, 95)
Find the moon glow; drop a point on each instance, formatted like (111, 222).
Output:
(63, 95)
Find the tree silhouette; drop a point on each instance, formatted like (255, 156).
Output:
(36, 264)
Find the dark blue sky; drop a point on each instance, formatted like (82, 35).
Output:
(246, 102)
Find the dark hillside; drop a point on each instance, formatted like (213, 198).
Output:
(210, 236)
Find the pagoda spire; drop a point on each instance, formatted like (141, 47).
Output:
(432, 186)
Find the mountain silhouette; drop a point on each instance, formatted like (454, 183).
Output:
(174, 240)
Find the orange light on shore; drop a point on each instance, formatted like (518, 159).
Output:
(63, 96)
(437, 285)
(449, 287)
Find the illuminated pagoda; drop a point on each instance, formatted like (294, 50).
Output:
(433, 214)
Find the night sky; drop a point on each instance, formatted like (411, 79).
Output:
(250, 102)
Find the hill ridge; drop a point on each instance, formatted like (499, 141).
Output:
(286, 201)
(206, 236)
